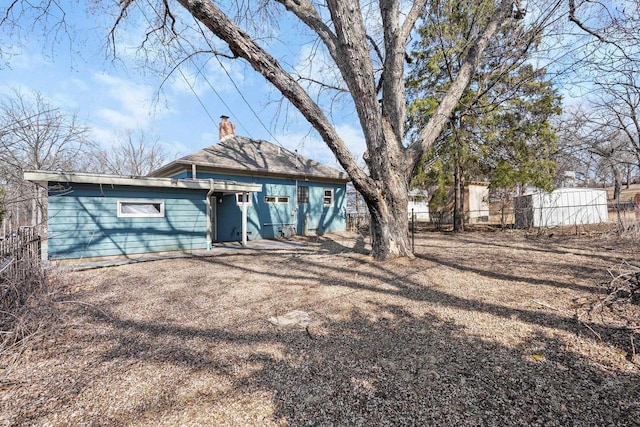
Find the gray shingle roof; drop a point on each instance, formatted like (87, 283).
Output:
(255, 157)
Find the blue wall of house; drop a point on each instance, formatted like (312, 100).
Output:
(271, 220)
(83, 221)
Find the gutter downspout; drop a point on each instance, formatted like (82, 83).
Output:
(296, 206)
(244, 218)
(209, 213)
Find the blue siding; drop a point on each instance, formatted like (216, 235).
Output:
(267, 220)
(83, 221)
(319, 218)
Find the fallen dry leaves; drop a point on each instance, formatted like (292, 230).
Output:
(480, 329)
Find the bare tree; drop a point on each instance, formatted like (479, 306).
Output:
(618, 105)
(378, 97)
(610, 29)
(592, 144)
(604, 134)
(131, 155)
(35, 135)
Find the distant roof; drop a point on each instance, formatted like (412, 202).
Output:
(537, 191)
(246, 156)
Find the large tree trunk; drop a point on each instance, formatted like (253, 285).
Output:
(388, 203)
(384, 186)
(390, 225)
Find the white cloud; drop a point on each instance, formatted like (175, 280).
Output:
(119, 119)
(75, 84)
(313, 147)
(68, 93)
(316, 65)
(205, 79)
(354, 139)
(185, 81)
(102, 136)
(133, 102)
(179, 148)
(22, 59)
(175, 149)
(208, 138)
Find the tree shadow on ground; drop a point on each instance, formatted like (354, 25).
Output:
(544, 244)
(387, 366)
(390, 361)
(408, 286)
(492, 270)
(491, 265)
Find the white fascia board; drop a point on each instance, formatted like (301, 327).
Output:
(43, 177)
(235, 187)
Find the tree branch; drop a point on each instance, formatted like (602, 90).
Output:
(601, 38)
(572, 18)
(305, 11)
(323, 84)
(430, 133)
(410, 21)
(244, 47)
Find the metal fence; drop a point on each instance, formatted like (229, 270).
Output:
(524, 214)
(20, 267)
(357, 221)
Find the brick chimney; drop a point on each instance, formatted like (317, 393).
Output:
(227, 129)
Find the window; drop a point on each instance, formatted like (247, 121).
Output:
(140, 208)
(276, 199)
(247, 198)
(328, 197)
(303, 194)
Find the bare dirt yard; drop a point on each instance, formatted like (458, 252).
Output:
(480, 329)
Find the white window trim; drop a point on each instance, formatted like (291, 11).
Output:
(248, 202)
(277, 201)
(141, 215)
(324, 197)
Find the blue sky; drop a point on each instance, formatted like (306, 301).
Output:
(75, 72)
(182, 112)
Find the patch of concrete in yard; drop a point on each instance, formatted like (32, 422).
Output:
(295, 317)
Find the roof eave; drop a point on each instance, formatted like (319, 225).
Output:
(44, 177)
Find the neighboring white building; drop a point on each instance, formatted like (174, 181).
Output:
(419, 205)
(561, 207)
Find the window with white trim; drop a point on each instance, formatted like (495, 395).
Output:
(327, 200)
(240, 201)
(140, 209)
(276, 199)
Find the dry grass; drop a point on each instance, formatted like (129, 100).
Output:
(627, 194)
(480, 329)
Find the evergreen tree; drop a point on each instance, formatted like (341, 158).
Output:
(500, 129)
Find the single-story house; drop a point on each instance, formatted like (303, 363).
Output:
(236, 190)
(299, 195)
